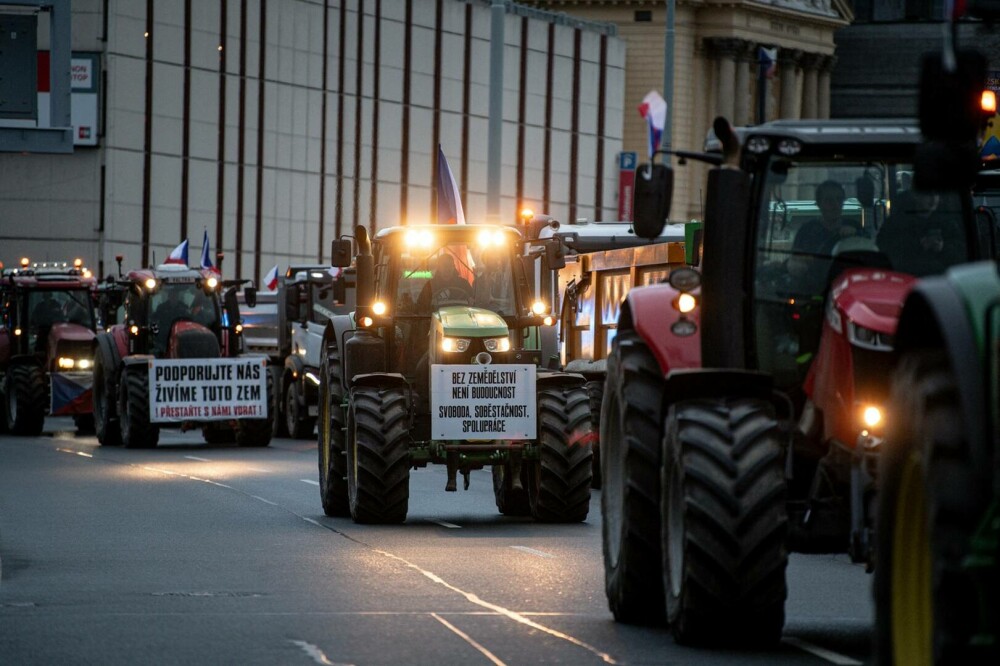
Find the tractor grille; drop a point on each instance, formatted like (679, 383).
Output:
(195, 344)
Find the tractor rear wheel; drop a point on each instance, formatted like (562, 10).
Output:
(136, 429)
(257, 432)
(330, 438)
(724, 522)
(559, 481)
(278, 424)
(378, 458)
(510, 501)
(25, 392)
(105, 419)
(595, 391)
(631, 423)
(930, 500)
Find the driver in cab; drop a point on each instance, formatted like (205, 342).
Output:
(445, 285)
(814, 242)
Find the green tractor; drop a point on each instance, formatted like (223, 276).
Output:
(432, 368)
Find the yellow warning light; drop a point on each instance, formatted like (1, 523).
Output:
(988, 102)
(77, 263)
(24, 262)
(527, 214)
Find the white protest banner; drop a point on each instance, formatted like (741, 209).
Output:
(207, 389)
(483, 402)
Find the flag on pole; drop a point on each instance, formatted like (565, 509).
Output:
(179, 255)
(654, 110)
(449, 208)
(271, 279)
(768, 62)
(206, 255)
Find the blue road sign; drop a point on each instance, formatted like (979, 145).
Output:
(626, 161)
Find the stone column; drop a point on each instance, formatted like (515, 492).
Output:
(743, 114)
(788, 63)
(823, 85)
(724, 50)
(810, 83)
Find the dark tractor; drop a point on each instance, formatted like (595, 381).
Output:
(432, 368)
(47, 324)
(163, 318)
(745, 405)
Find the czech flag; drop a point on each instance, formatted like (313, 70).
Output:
(654, 110)
(768, 62)
(271, 279)
(179, 255)
(206, 255)
(449, 200)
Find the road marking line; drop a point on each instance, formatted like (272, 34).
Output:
(79, 453)
(532, 551)
(512, 615)
(197, 458)
(822, 653)
(258, 469)
(315, 653)
(265, 501)
(468, 639)
(310, 520)
(310, 481)
(450, 526)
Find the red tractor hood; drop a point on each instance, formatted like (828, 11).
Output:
(70, 333)
(872, 298)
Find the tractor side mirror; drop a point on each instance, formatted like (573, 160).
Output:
(340, 253)
(651, 199)
(232, 306)
(250, 295)
(291, 302)
(555, 256)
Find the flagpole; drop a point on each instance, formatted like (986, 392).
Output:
(498, 16)
(761, 87)
(668, 77)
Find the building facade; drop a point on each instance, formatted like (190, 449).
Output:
(278, 125)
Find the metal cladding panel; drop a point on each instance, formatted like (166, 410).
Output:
(19, 83)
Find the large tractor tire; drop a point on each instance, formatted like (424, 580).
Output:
(278, 423)
(298, 423)
(595, 392)
(378, 458)
(631, 422)
(330, 438)
(133, 406)
(257, 432)
(559, 481)
(106, 422)
(930, 501)
(25, 392)
(724, 522)
(511, 500)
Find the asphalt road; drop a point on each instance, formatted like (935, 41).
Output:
(197, 554)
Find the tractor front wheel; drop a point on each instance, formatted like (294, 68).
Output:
(25, 393)
(559, 481)
(378, 458)
(257, 432)
(330, 438)
(136, 430)
(723, 533)
(630, 437)
(511, 500)
(105, 419)
(297, 421)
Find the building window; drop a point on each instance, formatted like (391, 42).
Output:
(643, 16)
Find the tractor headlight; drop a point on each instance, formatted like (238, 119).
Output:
(685, 303)
(150, 284)
(84, 363)
(539, 307)
(868, 339)
(211, 283)
(65, 363)
(871, 416)
(456, 344)
(380, 308)
(497, 344)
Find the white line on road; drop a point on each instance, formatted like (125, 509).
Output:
(532, 551)
(310, 481)
(450, 526)
(265, 501)
(310, 520)
(258, 469)
(468, 639)
(197, 458)
(509, 614)
(822, 653)
(315, 653)
(79, 453)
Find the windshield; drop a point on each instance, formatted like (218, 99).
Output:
(820, 218)
(455, 274)
(46, 308)
(185, 300)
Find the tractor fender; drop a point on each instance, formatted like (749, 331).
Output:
(335, 334)
(547, 379)
(380, 380)
(136, 360)
(294, 365)
(109, 350)
(25, 359)
(591, 370)
(936, 315)
(649, 312)
(701, 383)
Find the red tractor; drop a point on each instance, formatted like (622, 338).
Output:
(744, 404)
(47, 337)
(175, 357)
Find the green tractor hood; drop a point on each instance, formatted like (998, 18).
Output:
(469, 322)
